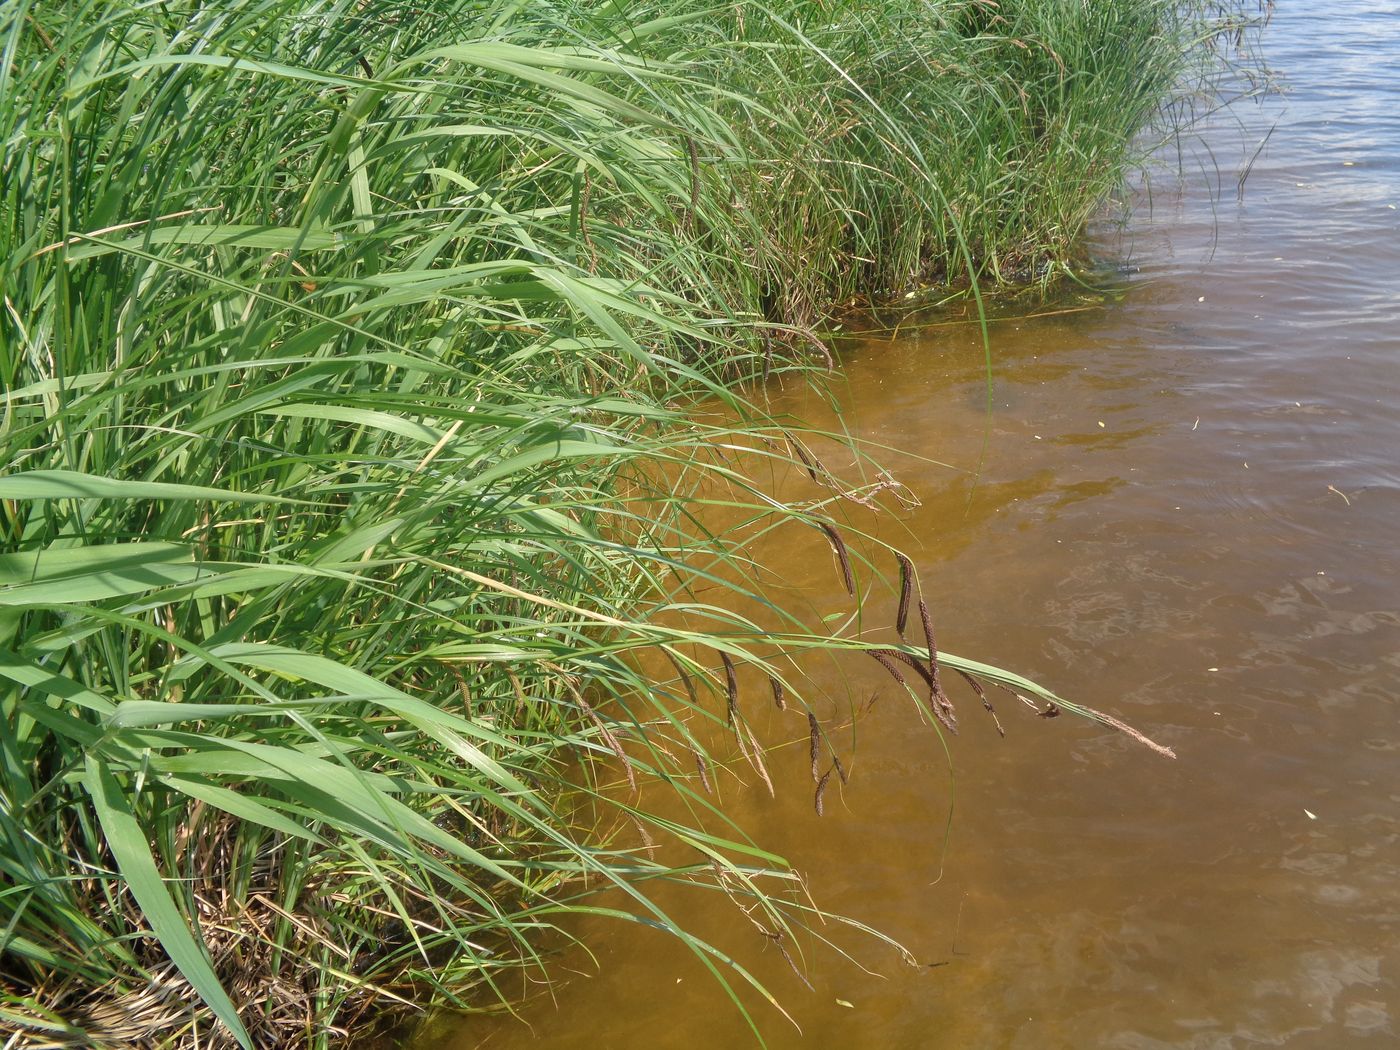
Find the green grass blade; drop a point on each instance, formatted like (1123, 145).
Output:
(130, 849)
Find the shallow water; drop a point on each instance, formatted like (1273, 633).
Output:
(1187, 514)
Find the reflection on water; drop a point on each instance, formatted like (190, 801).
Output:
(1186, 514)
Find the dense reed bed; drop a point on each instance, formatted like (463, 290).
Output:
(346, 351)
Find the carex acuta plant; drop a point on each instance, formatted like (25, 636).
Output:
(347, 348)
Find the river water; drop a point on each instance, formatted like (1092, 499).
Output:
(1184, 509)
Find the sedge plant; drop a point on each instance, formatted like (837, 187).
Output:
(347, 352)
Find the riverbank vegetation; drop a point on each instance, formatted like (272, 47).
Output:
(346, 351)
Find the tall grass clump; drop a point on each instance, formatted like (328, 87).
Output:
(346, 352)
(908, 144)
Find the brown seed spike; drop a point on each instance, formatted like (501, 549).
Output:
(839, 546)
(942, 705)
(986, 700)
(906, 590)
(821, 790)
(647, 841)
(779, 697)
(976, 686)
(684, 678)
(943, 711)
(918, 666)
(840, 769)
(607, 734)
(814, 728)
(700, 768)
(882, 657)
(928, 638)
(803, 455)
(731, 685)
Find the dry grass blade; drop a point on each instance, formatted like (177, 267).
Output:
(1123, 727)
(752, 751)
(758, 762)
(800, 975)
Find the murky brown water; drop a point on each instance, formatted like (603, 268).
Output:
(1188, 514)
